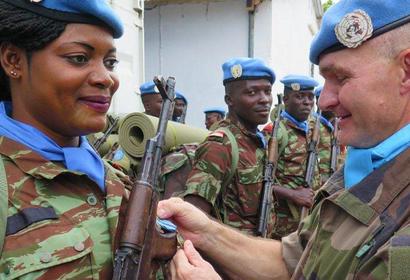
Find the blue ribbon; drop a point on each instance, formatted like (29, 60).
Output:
(301, 125)
(361, 162)
(82, 159)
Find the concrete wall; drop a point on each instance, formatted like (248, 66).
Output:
(294, 25)
(130, 50)
(191, 40)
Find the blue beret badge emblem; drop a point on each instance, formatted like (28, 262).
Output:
(295, 86)
(236, 71)
(354, 29)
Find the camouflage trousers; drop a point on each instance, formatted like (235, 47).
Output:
(287, 220)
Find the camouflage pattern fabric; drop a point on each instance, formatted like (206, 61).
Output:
(290, 173)
(175, 168)
(360, 233)
(60, 225)
(238, 204)
(324, 153)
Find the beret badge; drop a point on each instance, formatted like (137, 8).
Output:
(295, 86)
(354, 29)
(36, 1)
(236, 71)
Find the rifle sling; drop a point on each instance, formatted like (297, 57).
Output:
(234, 166)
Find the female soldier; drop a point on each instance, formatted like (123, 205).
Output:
(56, 84)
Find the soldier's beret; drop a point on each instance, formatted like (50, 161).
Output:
(96, 12)
(349, 23)
(148, 88)
(178, 95)
(245, 68)
(318, 91)
(299, 82)
(218, 110)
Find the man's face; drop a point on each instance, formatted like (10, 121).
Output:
(178, 107)
(250, 101)
(152, 104)
(211, 118)
(299, 104)
(363, 89)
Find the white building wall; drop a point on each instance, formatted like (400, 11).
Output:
(191, 40)
(130, 52)
(294, 25)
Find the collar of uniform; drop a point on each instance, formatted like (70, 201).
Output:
(333, 185)
(377, 191)
(30, 162)
(242, 129)
(291, 124)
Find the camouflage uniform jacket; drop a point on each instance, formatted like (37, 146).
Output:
(238, 204)
(290, 173)
(360, 233)
(60, 225)
(324, 153)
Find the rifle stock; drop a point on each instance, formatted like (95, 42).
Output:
(311, 163)
(269, 173)
(142, 241)
(335, 148)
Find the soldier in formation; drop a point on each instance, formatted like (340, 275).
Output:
(180, 108)
(213, 115)
(216, 184)
(358, 227)
(295, 133)
(151, 99)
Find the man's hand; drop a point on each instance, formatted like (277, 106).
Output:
(188, 264)
(302, 196)
(192, 223)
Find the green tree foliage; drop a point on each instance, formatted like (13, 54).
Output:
(327, 4)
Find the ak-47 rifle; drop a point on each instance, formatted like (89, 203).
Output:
(141, 239)
(269, 175)
(312, 159)
(97, 144)
(335, 148)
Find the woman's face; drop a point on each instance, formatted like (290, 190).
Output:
(66, 88)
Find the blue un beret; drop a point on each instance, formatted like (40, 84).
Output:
(218, 110)
(245, 68)
(148, 88)
(97, 12)
(299, 82)
(179, 95)
(349, 23)
(318, 91)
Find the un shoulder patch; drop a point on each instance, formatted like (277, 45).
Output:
(217, 136)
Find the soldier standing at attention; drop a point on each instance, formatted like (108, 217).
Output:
(180, 108)
(213, 115)
(327, 119)
(248, 84)
(359, 227)
(151, 99)
(295, 133)
(58, 199)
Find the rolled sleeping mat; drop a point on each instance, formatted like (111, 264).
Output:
(137, 128)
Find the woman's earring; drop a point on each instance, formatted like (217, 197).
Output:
(13, 73)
